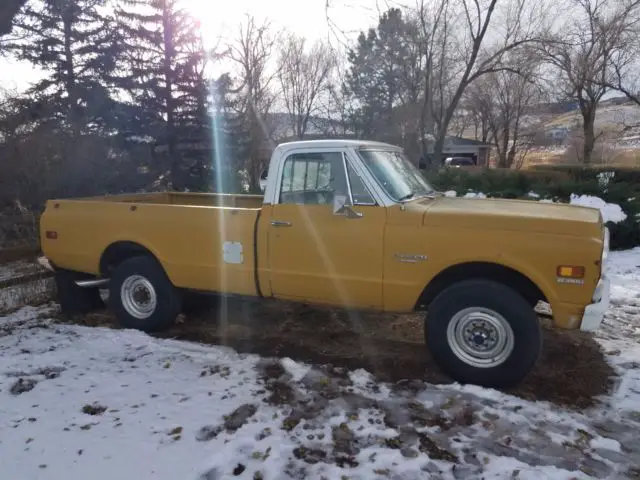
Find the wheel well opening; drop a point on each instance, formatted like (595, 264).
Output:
(481, 270)
(118, 252)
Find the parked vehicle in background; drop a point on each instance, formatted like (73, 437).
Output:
(457, 162)
(263, 179)
(351, 224)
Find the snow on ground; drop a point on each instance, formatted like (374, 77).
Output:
(14, 292)
(470, 194)
(474, 195)
(617, 115)
(33, 292)
(13, 269)
(611, 212)
(79, 402)
(620, 332)
(607, 117)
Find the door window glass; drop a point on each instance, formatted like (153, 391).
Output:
(313, 178)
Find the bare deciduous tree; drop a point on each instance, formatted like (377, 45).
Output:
(477, 103)
(624, 64)
(303, 75)
(252, 52)
(502, 99)
(458, 51)
(583, 54)
(337, 109)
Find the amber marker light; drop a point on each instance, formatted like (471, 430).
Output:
(570, 271)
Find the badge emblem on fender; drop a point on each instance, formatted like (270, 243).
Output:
(409, 258)
(571, 281)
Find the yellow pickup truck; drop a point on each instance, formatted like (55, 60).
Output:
(351, 224)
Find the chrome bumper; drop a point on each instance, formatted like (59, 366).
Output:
(594, 313)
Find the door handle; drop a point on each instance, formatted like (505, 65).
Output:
(278, 223)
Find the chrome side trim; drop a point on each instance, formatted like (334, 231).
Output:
(346, 178)
(278, 223)
(98, 282)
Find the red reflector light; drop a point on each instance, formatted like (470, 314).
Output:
(51, 234)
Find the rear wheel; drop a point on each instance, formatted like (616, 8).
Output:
(142, 296)
(483, 332)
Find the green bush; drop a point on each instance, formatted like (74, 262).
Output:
(581, 172)
(556, 183)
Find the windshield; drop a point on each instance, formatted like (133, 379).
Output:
(400, 178)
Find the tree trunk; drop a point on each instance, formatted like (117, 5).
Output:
(70, 77)
(511, 156)
(437, 157)
(448, 116)
(512, 151)
(504, 152)
(464, 83)
(167, 32)
(257, 135)
(589, 136)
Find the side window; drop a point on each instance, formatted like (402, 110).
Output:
(359, 192)
(312, 178)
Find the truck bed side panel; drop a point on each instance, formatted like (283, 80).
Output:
(189, 241)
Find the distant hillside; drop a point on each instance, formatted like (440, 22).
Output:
(609, 117)
(558, 137)
(280, 123)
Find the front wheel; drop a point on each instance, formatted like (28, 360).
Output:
(483, 332)
(141, 295)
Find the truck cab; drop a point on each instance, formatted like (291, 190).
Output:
(327, 204)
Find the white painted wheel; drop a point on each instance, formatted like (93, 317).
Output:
(138, 297)
(480, 337)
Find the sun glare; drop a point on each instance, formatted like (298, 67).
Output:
(221, 20)
(209, 14)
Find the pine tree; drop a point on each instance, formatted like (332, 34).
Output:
(8, 10)
(384, 74)
(74, 42)
(231, 136)
(163, 72)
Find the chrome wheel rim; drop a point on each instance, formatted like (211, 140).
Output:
(480, 337)
(138, 297)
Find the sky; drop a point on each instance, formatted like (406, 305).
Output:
(329, 20)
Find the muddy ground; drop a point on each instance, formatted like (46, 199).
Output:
(572, 370)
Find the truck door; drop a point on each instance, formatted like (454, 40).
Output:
(314, 253)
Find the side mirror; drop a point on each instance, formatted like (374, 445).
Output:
(342, 206)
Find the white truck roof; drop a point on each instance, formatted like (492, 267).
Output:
(334, 143)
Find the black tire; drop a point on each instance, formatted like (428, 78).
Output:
(167, 298)
(496, 297)
(75, 300)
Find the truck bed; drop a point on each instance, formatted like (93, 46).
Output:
(203, 241)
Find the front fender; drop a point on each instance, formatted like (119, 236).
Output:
(543, 282)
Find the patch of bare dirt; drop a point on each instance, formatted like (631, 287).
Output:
(22, 385)
(94, 409)
(571, 371)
